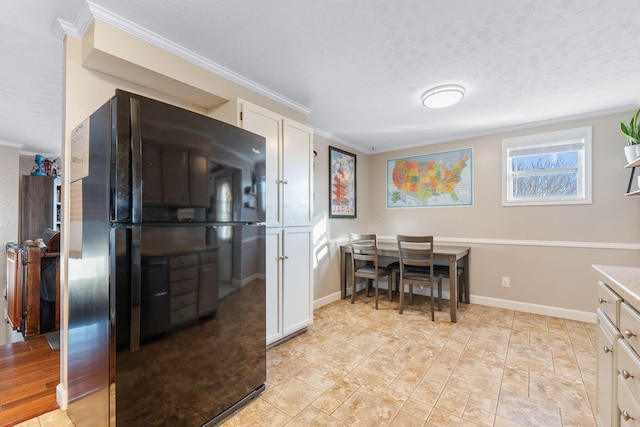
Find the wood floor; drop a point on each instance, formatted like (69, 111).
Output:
(29, 374)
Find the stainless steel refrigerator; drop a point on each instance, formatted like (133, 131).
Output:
(166, 266)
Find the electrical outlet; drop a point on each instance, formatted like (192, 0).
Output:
(506, 282)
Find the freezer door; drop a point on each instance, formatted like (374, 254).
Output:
(201, 324)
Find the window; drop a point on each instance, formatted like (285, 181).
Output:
(547, 169)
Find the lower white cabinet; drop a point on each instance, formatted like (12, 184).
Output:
(607, 409)
(289, 281)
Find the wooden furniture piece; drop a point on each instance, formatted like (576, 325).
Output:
(24, 265)
(416, 267)
(618, 366)
(364, 249)
(37, 206)
(452, 254)
(463, 289)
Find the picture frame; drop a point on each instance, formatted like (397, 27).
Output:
(342, 184)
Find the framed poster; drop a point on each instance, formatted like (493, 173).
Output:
(435, 179)
(342, 184)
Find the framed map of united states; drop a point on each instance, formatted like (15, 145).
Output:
(435, 179)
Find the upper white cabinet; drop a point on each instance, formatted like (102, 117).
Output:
(289, 169)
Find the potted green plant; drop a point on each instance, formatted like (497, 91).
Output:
(632, 132)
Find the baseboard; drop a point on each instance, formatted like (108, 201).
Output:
(61, 397)
(563, 313)
(326, 300)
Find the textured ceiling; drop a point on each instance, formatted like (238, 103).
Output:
(358, 66)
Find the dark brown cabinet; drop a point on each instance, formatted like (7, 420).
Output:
(37, 206)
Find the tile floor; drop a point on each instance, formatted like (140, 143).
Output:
(356, 366)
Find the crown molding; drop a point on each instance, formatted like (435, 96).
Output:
(91, 11)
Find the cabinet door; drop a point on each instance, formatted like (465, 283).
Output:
(199, 179)
(297, 310)
(297, 177)
(606, 387)
(208, 289)
(175, 175)
(269, 125)
(152, 174)
(273, 271)
(37, 206)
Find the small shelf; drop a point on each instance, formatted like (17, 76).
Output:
(634, 164)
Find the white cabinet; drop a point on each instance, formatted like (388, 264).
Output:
(289, 209)
(288, 281)
(608, 336)
(289, 179)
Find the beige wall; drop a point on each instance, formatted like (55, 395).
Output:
(9, 212)
(556, 273)
(327, 272)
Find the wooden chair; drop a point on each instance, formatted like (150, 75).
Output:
(364, 263)
(463, 289)
(416, 268)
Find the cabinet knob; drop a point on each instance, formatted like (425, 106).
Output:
(626, 416)
(626, 374)
(628, 334)
(601, 300)
(606, 349)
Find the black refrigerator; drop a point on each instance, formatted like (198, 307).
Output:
(166, 266)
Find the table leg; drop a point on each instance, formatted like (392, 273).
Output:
(343, 274)
(453, 287)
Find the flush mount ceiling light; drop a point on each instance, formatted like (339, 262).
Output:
(443, 96)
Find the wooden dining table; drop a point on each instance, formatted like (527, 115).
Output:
(454, 255)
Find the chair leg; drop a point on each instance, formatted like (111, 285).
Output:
(440, 295)
(432, 313)
(390, 286)
(353, 289)
(376, 305)
(401, 289)
(410, 294)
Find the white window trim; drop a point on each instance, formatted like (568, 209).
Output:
(541, 139)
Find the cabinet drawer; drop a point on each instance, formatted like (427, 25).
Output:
(630, 326)
(629, 407)
(182, 287)
(629, 367)
(609, 302)
(180, 274)
(181, 301)
(209, 257)
(182, 315)
(183, 261)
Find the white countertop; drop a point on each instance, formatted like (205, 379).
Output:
(625, 281)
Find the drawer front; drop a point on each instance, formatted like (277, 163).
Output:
(609, 302)
(182, 287)
(629, 407)
(183, 261)
(183, 315)
(209, 257)
(181, 301)
(629, 367)
(180, 274)
(630, 326)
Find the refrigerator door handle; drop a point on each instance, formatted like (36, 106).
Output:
(136, 161)
(136, 289)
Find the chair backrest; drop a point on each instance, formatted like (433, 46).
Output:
(416, 251)
(364, 247)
